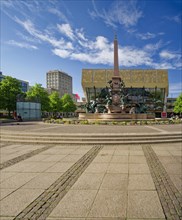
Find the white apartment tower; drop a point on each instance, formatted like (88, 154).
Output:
(59, 81)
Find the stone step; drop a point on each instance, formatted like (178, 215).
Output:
(95, 142)
(58, 138)
(91, 135)
(93, 139)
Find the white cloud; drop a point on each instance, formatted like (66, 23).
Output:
(176, 18)
(66, 30)
(175, 58)
(100, 50)
(80, 34)
(21, 45)
(161, 33)
(125, 13)
(163, 65)
(101, 43)
(131, 56)
(27, 38)
(153, 47)
(168, 55)
(61, 53)
(175, 88)
(29, 27)
(148, 35)
(59, 14)
(7, 3)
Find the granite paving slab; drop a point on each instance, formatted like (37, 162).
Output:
(6, 218)
(71, 158)
(138, 168)
(141, 182)
(115, 182)
(17, 180)
(103, 158)
(121, 152)
(59, 167)
(136, 152)
(167, 159)
(17, 201)
(105, 218)
(97, 168)
(144, 204)
(24, 156)
(106, 152)
(119, 159)
(6, 175)
(5, 192)
(173, 168)
(38, 157)
(137, 159)
(65, 218)
(54, 158)
(117, 168)
(88, 181)
(109, 203)
(44, 204)
(76, 203)
(42, 181)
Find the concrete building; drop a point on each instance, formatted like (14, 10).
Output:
(59, 81)
(143, 86)
(24, 84)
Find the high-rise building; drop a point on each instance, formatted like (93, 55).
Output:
(59, 81)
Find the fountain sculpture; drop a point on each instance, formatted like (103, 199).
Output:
(110, 104)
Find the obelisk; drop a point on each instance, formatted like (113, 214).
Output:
(115, 107)
(116, 63)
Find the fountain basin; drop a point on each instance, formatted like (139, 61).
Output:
(115, 116)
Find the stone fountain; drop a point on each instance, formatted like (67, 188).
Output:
(110, 105)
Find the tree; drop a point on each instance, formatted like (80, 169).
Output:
(178, 104)
(9, 89)
(38, 93)
(67, 103)
(55, 102)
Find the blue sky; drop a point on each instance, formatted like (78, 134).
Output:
(42, 35)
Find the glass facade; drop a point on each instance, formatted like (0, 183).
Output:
(145, 89)
(152, 99)
(29, 110)
(24, 84)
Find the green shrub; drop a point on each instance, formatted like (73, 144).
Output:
(97, 122)
(85, 122)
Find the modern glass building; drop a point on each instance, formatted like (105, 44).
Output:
(24, 84)
(143, 87)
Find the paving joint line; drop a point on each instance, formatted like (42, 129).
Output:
(43, 205)
(170, 197)
(25, 156)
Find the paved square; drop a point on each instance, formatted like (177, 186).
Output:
(91, 181)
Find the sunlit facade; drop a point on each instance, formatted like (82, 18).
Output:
(59, 81)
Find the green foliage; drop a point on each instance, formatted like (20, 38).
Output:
(178, 104)
(67, 103)
(38, 93)
(84, 122)
(55, 102)
(156, 95)
(9, 89)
